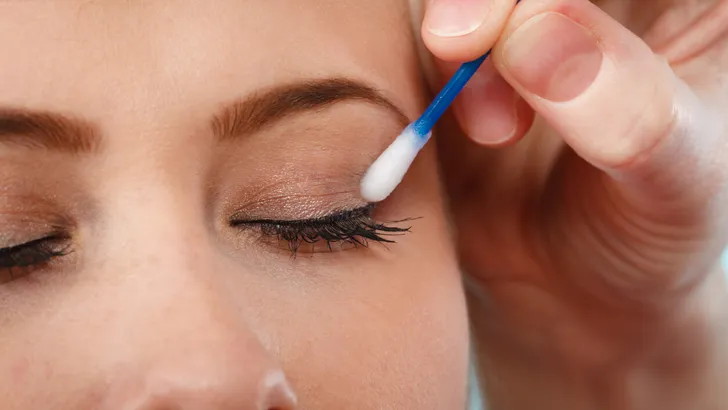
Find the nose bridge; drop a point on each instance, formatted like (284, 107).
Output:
(188, 343)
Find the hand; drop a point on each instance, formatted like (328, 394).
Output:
(594, 243)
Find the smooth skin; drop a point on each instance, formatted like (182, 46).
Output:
(592, 278)
(162, 304)
(590, 191)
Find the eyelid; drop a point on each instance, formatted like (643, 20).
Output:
(21, 232)
(324, 159)
(25, 217)
(297, 206)
(330, 216)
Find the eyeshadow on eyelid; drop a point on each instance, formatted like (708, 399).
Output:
(298, 205)
(293, 191)
(306, 167)
(20, 226)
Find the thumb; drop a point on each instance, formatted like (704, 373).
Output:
(618, 105)
(650, 212)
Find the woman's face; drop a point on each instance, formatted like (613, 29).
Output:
(180, 219)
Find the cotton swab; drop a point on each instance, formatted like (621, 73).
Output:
(386, 173)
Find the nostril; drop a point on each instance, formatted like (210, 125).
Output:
(276, 393)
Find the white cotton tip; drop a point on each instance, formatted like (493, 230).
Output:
(385, 174)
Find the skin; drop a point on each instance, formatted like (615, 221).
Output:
(578, 297)
(161, 303)
(591, 207)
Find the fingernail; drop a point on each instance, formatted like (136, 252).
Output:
(553, 57)
(453, 18)
(487, 109)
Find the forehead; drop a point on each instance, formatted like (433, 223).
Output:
(127, 56)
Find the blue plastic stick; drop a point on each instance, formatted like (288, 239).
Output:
(423, 125)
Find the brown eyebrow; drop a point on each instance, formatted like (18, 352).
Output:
(34, 129)
(58, 132)
(254, 113)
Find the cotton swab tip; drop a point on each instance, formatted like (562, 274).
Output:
(386, 173)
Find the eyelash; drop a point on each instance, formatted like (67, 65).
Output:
(32, 255)
(354, 227)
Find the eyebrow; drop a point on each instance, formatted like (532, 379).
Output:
(47, 130)
(58, 132)
(254, 113)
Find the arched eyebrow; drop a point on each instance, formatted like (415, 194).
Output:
(59, 132)
(253, 113)
(47, 130)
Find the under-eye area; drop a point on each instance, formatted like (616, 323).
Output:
(340, 230)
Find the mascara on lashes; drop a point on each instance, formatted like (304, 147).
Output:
(355, 227)
(23, 259)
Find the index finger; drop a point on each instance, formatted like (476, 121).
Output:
(463, 30)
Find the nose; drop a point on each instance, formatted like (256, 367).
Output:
(203, 361)
(182, 390)
(186, 343)
(199, 384)
(202, 358)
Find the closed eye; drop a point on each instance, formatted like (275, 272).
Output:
(23, 259)
(342, 229)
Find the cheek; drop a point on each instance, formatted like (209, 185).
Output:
(396, 343)
(30, 375)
